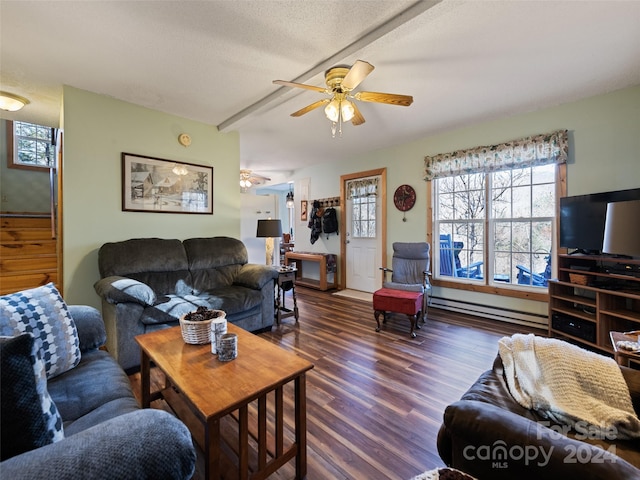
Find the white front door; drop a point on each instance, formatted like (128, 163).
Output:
(363, 244)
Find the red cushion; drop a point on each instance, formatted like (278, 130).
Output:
(389, 300)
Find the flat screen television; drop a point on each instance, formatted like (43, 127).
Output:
(582, 219)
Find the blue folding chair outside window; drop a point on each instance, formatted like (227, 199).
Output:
(450, 264)
(527, 277)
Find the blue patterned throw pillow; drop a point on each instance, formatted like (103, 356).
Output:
(43, 313)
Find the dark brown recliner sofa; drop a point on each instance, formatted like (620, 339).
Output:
(490, 436)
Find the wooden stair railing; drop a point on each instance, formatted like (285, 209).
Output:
(28, 252)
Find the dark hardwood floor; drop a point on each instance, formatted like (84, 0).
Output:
(375, 400)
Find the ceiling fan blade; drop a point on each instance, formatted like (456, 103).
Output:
(313, 106)
(390, 98)
(256, 179)
(300, 85)
(357, 119)
(357, 74)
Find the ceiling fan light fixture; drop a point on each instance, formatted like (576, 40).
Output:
(341, 82)
(12, 103)
(332, 110)
(347, 110)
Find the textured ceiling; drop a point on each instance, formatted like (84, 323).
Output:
(214, 62)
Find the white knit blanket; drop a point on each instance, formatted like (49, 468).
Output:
(568, 384)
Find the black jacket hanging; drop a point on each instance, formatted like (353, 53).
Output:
(315, 221)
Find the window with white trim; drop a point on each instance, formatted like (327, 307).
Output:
(33, 145)
(494, 212)
(513, 224)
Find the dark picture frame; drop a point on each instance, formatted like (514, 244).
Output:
(304, 207)
(157, 185)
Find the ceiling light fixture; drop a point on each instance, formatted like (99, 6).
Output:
(12, 103)
(245, 183)
(341, 80)
(249, 178)
(290, 203)
(339, 110)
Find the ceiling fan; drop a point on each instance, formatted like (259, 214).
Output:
(341, 80)
(249, 178)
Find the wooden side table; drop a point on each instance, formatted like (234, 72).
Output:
(286, 281)
(622, 356)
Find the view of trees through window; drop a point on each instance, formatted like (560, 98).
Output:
(33, 145)
(497, 227)
(363, 217)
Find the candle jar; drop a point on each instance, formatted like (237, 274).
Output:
(228, 349)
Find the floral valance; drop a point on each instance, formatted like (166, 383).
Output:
(525, 152)
(362, 187)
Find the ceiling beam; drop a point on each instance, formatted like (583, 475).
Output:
(400, 19)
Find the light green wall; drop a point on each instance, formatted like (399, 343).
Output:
(97, 129)
(21, 190)
(604, 133)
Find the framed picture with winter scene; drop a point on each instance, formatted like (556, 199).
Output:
(156, 185)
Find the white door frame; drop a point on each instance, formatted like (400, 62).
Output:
(382, 193)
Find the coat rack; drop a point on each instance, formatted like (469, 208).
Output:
(328, 202)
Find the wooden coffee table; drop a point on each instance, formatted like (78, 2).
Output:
(201, 390)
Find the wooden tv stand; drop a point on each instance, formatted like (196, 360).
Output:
(321, 260)
(593, 296)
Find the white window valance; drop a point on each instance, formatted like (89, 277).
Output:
(362, 187)
(531, 151)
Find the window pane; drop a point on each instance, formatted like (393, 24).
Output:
(502, 266)
(521, 176)
(502, 239)
(444, 185)
(543, 174)
(501, 203)
(522, 202)
(541, 233)
(371, 211)
(445, 206)
(502, 180)
(521, 237)
(544, 202)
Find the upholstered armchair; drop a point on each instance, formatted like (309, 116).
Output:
(410, 271)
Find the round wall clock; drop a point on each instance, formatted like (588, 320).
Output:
(404, 198)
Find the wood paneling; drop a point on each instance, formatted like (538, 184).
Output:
(28, 253)
(375, 400)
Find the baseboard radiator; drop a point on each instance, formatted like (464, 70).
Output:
(491, 312)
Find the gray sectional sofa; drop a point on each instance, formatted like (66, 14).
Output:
(148, 283)
(106, 434)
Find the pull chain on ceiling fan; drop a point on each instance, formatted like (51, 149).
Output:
(341, 80)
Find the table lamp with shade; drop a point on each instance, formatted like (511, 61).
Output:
(622, 228)
(269, 229)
